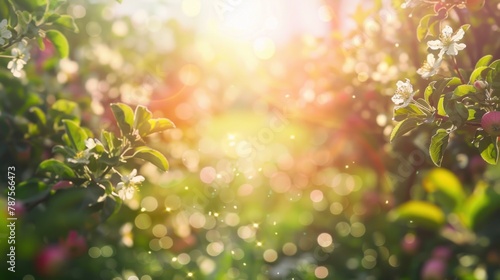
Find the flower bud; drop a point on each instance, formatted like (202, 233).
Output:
(479, 84)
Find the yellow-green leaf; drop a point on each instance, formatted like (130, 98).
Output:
(419, 213)
(59, 41)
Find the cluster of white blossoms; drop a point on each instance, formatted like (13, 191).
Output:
(19, 53)
(448, 44)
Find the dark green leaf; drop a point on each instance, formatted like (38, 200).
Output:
(111, 206)
(64, 150)
(457, 111)
(153, 156)
(59, 41)
(124, 116)
(54, 168)
(439, 141)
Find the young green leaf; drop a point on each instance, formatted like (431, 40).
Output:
(480, 204)
(40, 115)
(59, 41)
(439, 141)
(445, 186)
(124, 116)
(483, 61)
(76, 134)
(419, 213)
(141, 120)
(403, 127)
(488, 147)
(423, 26)
(478, 73)
(67, 22)
(159, 125)
(463, 90)
(153, 156)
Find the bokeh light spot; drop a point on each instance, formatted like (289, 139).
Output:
(264, 48)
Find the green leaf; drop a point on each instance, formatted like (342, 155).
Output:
(59, 41)
(439, 141)
(67, 22)
(428, 91)
(40, 43)
(403, 127)
(463, 90)
(440, 106)
(76, 134)
(141, 120)
(419, 213)
(455, 81)
(153, 156)
(480, 204)
(32, 190)
(423, 27)
(478, 73)
(445, 186)
(457, 111)
(63, 150)
(465, 27)
(54, 168)
(40, 115)
(483, 61)
(65, 106)
(111, 206)
(159, 125)
(488, 147)
(124, 116)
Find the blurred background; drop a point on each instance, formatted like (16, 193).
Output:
(281, 166)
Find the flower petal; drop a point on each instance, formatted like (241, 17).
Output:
(458, 36)
(435, 44)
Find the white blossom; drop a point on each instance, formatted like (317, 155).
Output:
(404, 94)
(430, 66)
(448, 42)
(4, 32)
(20, 55)
(83, 157)
(127, 186)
